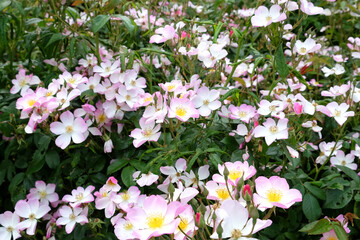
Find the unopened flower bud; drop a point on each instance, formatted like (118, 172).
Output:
(202, 208)
(219, 231)
(202, 222)
(254, 213)
(247, 193)
(226, 173)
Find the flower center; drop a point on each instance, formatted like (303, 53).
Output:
(49, 93)
(155, 221)
(171, 87)
(235, 174)
(92, 87)
(31, 102)
(69, 129)
(79, 197)
(222, 193)
(42, 194)
(343, 162)
(128, 97)
(206, 102)
(183, 223)
(125, 196)
(272, 108)
(274, 195)
(32, 216)
(10, 229)
(148, 99)
(268, 18)
(180, 111)
(242, 114)
(128, 226)
(107, 69)
(273, 129)
(71, 80)
(102, 118)
(133, 83)
(337, 113)
(104, 194)
(72, 217)
(236, 233)
(22, 83)
(147, 133)
(303, 50)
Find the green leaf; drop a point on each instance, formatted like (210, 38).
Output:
(98, 22)
(311, 207)
(52, 159)
(36, 163)
(280, 63)
(317, 192)
(33, 21)
(352, 174)
(127, 176)
(54, 38)
(15, 181)
(193, 159)
(340, 232)
(336, 199)
(116, 165)
(4, 4)
(43, 142)
(308, 227)
(129, 24)
(321, 227)
(217, 31)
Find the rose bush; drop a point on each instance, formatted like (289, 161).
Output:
(222, 119)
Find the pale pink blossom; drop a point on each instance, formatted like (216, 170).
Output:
(264, 17)
(22, 82)
(234, 218)
(344, 160)
(70, 216)
(107, 68)
(309, 8)
(182, 109)
(245, 112)
(79, 196)
(43, 192)
(338, 112)
(237, 170)
(69, 128)
(10, 226)
(274, 191)
(146, 132)
(218, 191)
(174, 172)
(272, 131)
(31, 211)
(129, 198)
(107, 200)
(308, 46)
(155, 218)
(163, 34)
(145, 179)
(206, 100)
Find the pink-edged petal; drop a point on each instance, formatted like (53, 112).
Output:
(22, 209)
(180, 164)
(67, 118)
(57, 128)
(78, 137)
(63, 141)
(70, 227)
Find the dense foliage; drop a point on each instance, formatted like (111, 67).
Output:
(179, 119)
